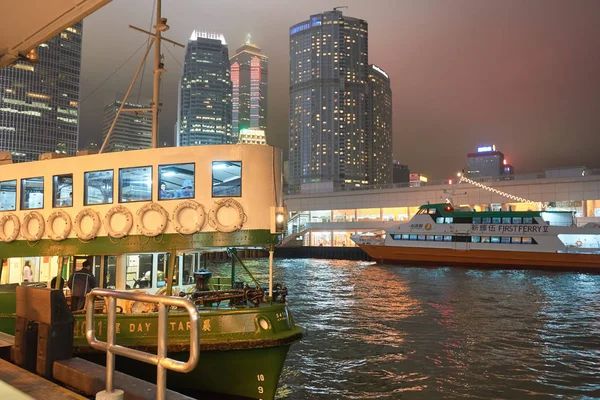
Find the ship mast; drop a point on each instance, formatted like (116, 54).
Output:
(156, 39)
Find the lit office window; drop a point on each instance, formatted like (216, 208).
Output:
(32, 193)
(176, 181)
(135, 184)
(98, 187)
(227, 178)
(8, 195)
(62, 190)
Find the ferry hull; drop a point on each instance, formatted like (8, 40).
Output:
(480, 258)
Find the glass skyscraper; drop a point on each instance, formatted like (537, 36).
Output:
(205, 92)
(39, 103)
(133, 131)
(328, 93)
(379, 127)
(249, 73)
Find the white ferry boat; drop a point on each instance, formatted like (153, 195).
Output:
(441, 235)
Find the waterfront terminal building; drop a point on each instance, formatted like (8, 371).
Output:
(322, 218)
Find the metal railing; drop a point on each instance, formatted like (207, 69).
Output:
(162, 362)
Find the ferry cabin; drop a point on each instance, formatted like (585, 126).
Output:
(441, 226)
(130, 211)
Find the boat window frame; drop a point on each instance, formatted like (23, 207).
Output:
(526, 240)
(505, 239)
(475, 239)
(439, 220)
(447, 238)
(160, 181)
(496, 220)
(530, 219)
(151, 184)
(495, 239)
(448, 220)
(476, 220)
(486, 220)
(212, 184)
(16, 189)
(54, 187)
(514, 240)
(504, 219)
(85, 187)
(23, 181)
(517, 220)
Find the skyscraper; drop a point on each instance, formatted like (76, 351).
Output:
(249, 73)
(133, 131)
(39, 103)
(379, 127)
(328, 93)
(205, 92)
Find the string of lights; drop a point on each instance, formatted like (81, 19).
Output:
(500, 192)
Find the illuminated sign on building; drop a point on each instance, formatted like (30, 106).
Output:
(483, 149)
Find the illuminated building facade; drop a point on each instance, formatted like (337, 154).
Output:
(39, 103)
(249, 75)
(133, 131)
(252, 136)
(328, 95)
(486, 162)
(204, 112)
(379, 128)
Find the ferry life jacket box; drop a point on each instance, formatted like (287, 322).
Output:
(44, 329)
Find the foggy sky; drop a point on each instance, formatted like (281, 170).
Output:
(524, 75)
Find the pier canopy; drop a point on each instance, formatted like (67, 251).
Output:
(27, 24)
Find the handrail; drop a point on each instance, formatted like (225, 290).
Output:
(160, 359)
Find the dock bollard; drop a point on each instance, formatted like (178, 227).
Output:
(116, 394)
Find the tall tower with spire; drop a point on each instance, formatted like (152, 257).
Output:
(249, 73)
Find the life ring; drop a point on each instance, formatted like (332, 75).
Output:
(25, 226)
(164, 217)
(214, 212)
(128, 222)
(16, 227)
(579, 243)
(200, 217)
(57, 237)
(95, 226)
(427, 227)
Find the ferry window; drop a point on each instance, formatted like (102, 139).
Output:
(421, 237)
(138, 271)
(163, 265)
(439, 220)
(430, 238)
(486, 220)
(135, 184)
(413, 237)
(32, 193)
(189, 266)
(98, 187)
(447, 238)
(62, 189)
(527, 220)
(475, 239)
(506, 220)
(495, 239)
(496, 220)
(405, 236)
(516, 240)
(476, 220)
(449, 220)
(176, 181)
(485, 239)
(396, 236)
(505, 239)
(517, 220)
(432, 211)
(526, 240)
(227, 178)
(109, 281)
(439, 238)
(8, 195)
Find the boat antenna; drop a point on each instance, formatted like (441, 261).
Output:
(159, 68)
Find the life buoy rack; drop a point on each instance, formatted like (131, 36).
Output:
(25, 226)
(95, 224)
(200, 217)
(128, 222)
(16, 228)
(579, 243)
(160, 228)
(213, 218)
(57, 237)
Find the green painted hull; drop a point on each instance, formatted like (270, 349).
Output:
(239, 355)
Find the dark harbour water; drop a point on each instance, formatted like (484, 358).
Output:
(388, 332)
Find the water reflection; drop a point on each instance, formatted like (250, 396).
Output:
(389, 332)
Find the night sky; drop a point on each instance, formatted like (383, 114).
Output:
(524, 75)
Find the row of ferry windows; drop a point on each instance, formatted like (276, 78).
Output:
(176, 181)
(472, 239)
(487, 220)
